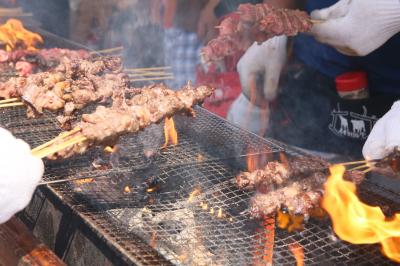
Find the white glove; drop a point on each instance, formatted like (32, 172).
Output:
(248, 116)
(20, 173)
(266, 59)
(385, 135)
(357, 27)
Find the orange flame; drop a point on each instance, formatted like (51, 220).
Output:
(357, 222)
(170, 133)
(298, 253)
(13, 34)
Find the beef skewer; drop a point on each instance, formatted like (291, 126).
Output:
(298, 198)
(149, 105)
(251, 23)
(276, 174)
(25, 62)
(73, 85)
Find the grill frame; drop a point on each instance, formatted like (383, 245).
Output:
(95, 212)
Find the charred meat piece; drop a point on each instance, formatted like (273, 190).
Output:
(276, 173)
(251, 23)
(151, 105)
(300, 197)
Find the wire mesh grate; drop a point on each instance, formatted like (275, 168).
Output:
(180, 205)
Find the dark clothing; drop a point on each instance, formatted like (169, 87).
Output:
(310, 114)
(382, 65)
(227, 6)
(188, 13)
(53, 15)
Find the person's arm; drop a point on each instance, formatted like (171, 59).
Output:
(20, 173)
(206, 27)
(357, 27)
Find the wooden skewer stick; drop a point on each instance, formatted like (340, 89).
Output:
(149, 74)
(317, 21)
(110, 50)
(355, 162)
(9, 100)
(11, 104)
(367, 170)
(360, 167)
(150, 79)
(51, 150)
(63, 135)
(148, 68)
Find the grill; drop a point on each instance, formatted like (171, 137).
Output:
(165, 227)
(140, 208)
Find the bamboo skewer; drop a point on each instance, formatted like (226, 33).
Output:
(110, 50)
(51, 150)
(66, 134)
(9, 100)
(147, 68)
(150, 74)
(11, 104)
(151, 79)
(317, 21)
(360, 167)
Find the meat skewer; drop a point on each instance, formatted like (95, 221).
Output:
(299, 198)
(149, 105)
(26, 62)
(72, 85)
(276, 174)
(251, 23)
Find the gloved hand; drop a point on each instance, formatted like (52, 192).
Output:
(249, 116)
(266, 60)
(20, 173)
(385, 135)
(357, 27)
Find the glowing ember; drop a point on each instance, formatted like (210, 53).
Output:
(127, 189)
(290, 222)
(170, 133)
(205, 206)
(14, 35)
(194, 194)
(83, 181)
(219, 215)
(357, 222)
(298, 253)
(283, 219)
(212, 211)
(200, 157)
(265, 238)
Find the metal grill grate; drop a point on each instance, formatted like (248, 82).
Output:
(164, 226)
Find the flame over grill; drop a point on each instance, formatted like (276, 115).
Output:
(14, 36)
(357, 222)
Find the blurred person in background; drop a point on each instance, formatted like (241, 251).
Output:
(91, 20)
(182, 45)
(307, 109)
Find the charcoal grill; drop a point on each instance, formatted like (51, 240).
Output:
(165, 227)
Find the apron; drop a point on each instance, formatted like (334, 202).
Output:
(310, 114)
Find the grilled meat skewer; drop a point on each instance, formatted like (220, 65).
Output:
(259, 23)
(149, 105)
(276, 173)
(298, 198)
